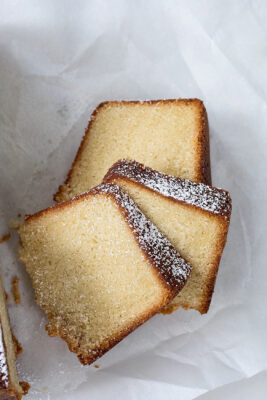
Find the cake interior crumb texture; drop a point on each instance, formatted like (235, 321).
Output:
(9, 384)
(90, 275)
(168, 135)
(197, 233)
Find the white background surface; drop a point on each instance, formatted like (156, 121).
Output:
(58, 60)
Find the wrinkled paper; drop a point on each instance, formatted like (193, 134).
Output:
(59, 59)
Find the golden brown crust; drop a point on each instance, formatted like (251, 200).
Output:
(58, 195)
(202, 144)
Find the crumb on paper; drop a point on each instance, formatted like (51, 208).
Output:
(15, 290)
(25, 387)
(17, 345)
(5, 237)
(7, 297)
(14, 224)
(96, 366)
(44, 388)
(19, 215)
(168, 310)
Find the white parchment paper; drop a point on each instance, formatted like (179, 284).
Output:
(58, 60)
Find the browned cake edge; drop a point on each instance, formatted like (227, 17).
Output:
(195, 194)
(7, 391)
(90, 357)
(133, 171)
(202, 140)
(168, 265)
(204, 153)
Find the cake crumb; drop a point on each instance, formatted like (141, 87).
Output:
(14, 224)
(5, 237)
(17, 346)
(96, 366)
(44, 388)
(25, 387)
(7, 297)
(19, 215)
(168, 310)
(15, 290)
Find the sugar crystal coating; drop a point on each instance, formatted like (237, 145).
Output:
(200, 195)
(173, 268)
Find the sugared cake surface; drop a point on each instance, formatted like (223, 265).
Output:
(99, 269)
(197, 194)
(193, 216)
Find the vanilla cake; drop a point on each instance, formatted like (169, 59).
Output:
(168, 135)
(10, 388)
(193, 216)
(99, 268)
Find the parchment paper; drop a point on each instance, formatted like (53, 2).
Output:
(58, 60)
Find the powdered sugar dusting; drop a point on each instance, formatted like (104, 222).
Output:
(3, 361)
(200, 195)
(171, 266)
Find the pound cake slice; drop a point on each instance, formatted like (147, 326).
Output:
(99, 268)
(193, 216)
(168, 135)
(10, 388)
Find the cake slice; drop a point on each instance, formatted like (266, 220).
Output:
(10, 388)
(193, 216)
(168, 135)
(99, 269)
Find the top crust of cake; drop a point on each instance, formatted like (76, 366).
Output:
(206, 197)
(202, 170)
(171, 267)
